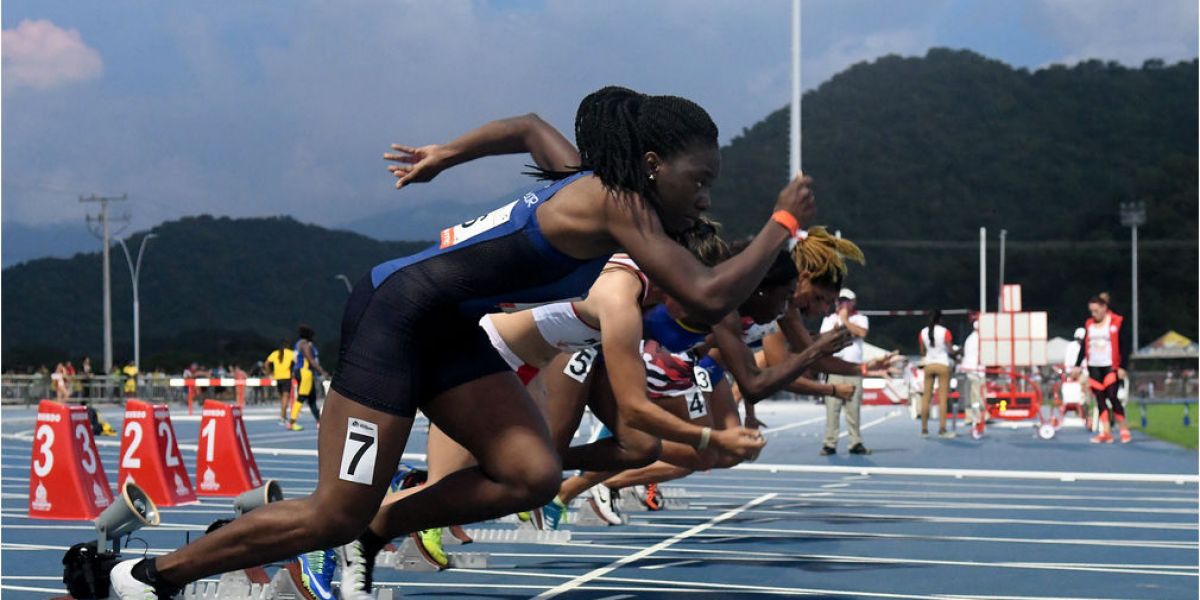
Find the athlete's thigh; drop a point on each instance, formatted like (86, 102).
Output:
(566, 384)
(494, 419)
(358, 449)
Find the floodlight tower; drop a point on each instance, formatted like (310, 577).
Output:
(1133, 215)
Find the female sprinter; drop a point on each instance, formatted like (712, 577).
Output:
(410, 334)
(1107, 350)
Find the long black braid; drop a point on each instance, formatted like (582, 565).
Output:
(615, 127)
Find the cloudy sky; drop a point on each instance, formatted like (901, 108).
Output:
(264, 108)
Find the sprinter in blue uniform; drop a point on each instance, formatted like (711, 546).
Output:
(410, 337)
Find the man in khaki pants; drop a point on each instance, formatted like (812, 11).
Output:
(845, 316)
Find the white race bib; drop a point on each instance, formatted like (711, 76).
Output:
(580, 364)
(465, 231)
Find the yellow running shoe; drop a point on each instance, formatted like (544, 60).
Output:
(429, 542)
(296, 427)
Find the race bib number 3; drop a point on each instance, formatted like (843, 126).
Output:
(695, 402)
(358, 451)
(461, 233)
(580, 364)
(703, 381)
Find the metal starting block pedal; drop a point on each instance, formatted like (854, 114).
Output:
(252, 584)
(631, 504)
(584, 516)
(512, 536)
(408, 558)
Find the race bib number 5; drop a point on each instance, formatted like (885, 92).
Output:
(358, 451)
(465, 231)
(580, 364)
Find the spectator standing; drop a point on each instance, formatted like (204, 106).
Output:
(304, 369)
(279, 364)
(846, 316)
(935, 343)
(972, 375)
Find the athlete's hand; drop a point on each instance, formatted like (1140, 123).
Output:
(833, 340)
(798, 199)
(739, 441)
(417, 165)
(843, 391)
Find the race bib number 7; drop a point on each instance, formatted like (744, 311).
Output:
(465, 231)
(358, 451)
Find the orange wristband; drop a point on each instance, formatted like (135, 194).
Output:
(786, 219)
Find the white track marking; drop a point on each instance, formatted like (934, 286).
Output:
(985, 473)
(774, 430)
(870, 424)
(596, 573)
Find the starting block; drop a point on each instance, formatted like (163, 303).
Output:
(253, 584)
(408, 558)
(584, 516)
(513, 536)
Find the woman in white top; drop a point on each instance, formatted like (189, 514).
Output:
(935, 347)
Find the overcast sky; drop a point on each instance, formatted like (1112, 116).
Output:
(264, 108)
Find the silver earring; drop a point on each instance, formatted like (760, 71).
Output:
(652, 177)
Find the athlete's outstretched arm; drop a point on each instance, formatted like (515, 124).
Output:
(707, 294)
(621, 335)
(757, 383)
(516, 135)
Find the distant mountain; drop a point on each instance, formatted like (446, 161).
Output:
(214, 284)
(26, 242)
(911, 156)
(931, 149)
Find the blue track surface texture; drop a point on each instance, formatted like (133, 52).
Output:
(781, 529)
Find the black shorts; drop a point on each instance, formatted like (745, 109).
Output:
(284, 385)
(403, 344)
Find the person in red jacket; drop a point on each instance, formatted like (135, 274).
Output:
(1106, 348)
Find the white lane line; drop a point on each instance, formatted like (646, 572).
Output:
(741, 529)
(985, 473)
(193, 447)
(836, 485)
(678, 563)
(774, 430)
(596, 573)
(753, 556)
(870, 424)
(887, 518)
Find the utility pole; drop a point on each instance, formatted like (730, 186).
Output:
(102, 232)
(1133, 215)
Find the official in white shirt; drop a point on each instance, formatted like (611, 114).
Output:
(858, 324)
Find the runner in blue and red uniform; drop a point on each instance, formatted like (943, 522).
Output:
(410, 337)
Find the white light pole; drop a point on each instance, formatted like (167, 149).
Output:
(1133, 214)
(135, 270)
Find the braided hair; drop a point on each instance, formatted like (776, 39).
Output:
(615, 127)
(823, 257)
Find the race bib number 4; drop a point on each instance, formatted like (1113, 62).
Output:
(697, 407)
(358, 451)
(580, 364)
(465, 231)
